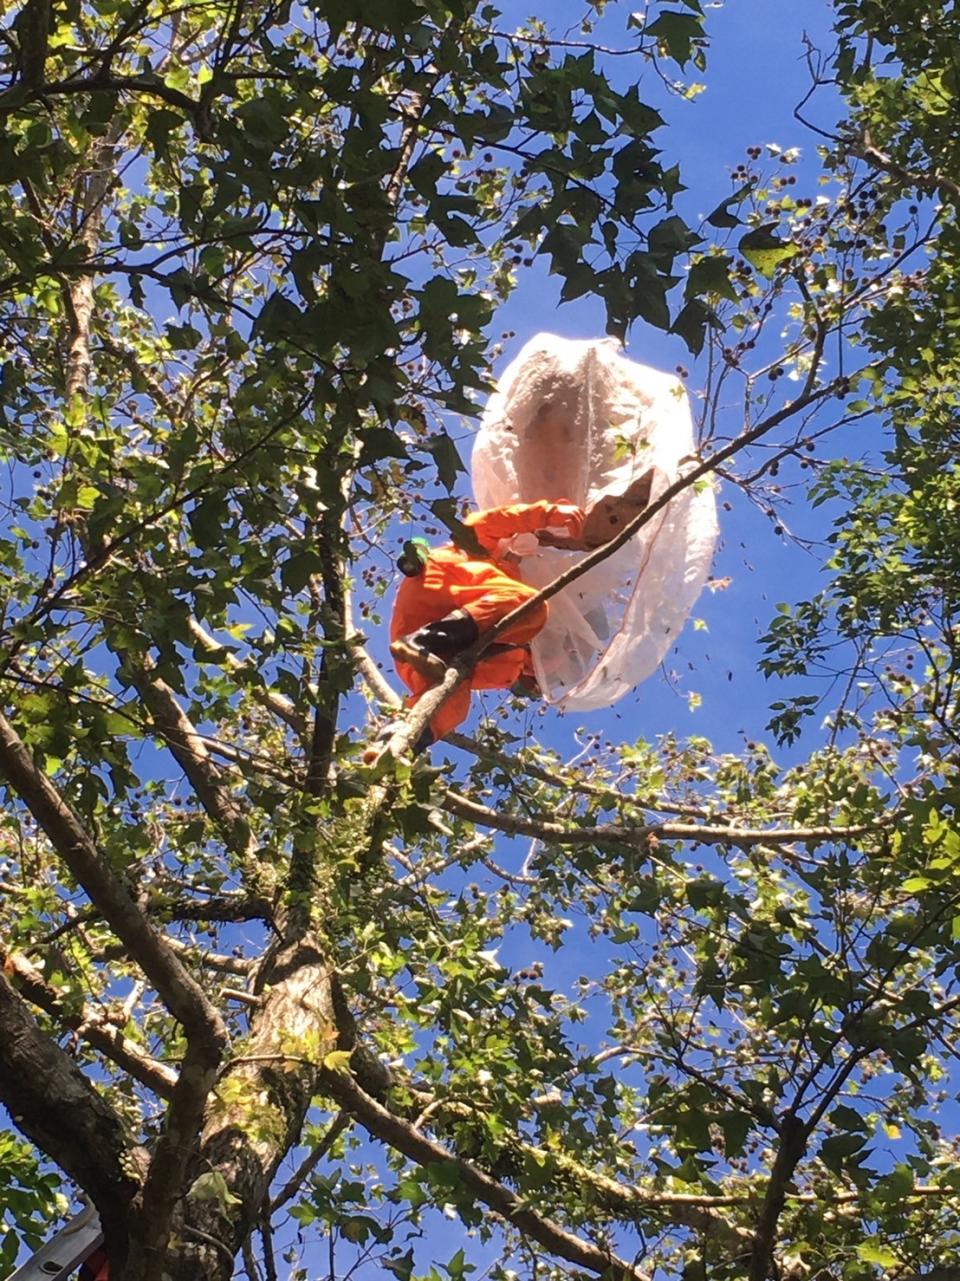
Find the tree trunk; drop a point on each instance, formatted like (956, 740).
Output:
(255, 1116)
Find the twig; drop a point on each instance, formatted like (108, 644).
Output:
(310, 1162)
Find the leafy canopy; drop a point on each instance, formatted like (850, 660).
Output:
(256, 994)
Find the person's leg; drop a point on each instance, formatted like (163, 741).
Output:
(451, 714)
(481, 603)
(498, 596)
(428, 649)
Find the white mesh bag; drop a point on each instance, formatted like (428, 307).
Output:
(576, 420)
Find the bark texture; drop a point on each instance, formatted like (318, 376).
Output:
(54, 1105)
(257, 1112)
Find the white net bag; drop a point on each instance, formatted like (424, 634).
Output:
(575, 420)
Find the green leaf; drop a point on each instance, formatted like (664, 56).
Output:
(668, 238)
(846, 1118)
(183, 337)
(764, 251)
(445, 510)
(206, 520)
(297, 569)
(692, 322)
(676, 32)
(711, 275)
(705, 893)
(649, 302)
(915, 884)
(160, 125)
(458, 1267)
(212, 1186)
(895, 1185)
(445, 455)
(87, 495)
(881, 1256)
(721, 217)
(840, 1150)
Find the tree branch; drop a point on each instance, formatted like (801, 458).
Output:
(91, 1025)
(182, 995)
(223, 908)
(239, 965)
(333, 615)
(190, 752)
(406, 1138)
(638, 837)
(624, 1201)
(150, 85)
(793, 1142)
(56, 1107)
(262, 1103)
(931, 182)
(310, 1162)
(281, 706)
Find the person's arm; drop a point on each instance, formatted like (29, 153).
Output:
(496, 523)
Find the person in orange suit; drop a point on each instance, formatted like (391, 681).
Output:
(450, 597)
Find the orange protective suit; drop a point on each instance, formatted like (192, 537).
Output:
(487, 590)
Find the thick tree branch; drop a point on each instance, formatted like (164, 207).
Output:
(33, 28)
(262, 1102)
(184, 998)
(638, 836)
(180, 993)
(333, 614)
(56, 1107)
(150, 85)
(241, 907)
(793, 1142)
(164, 1186)
(92, 1025)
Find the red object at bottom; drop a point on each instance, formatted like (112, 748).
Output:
(95, 1267)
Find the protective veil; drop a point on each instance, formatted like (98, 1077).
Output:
(575, 420)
